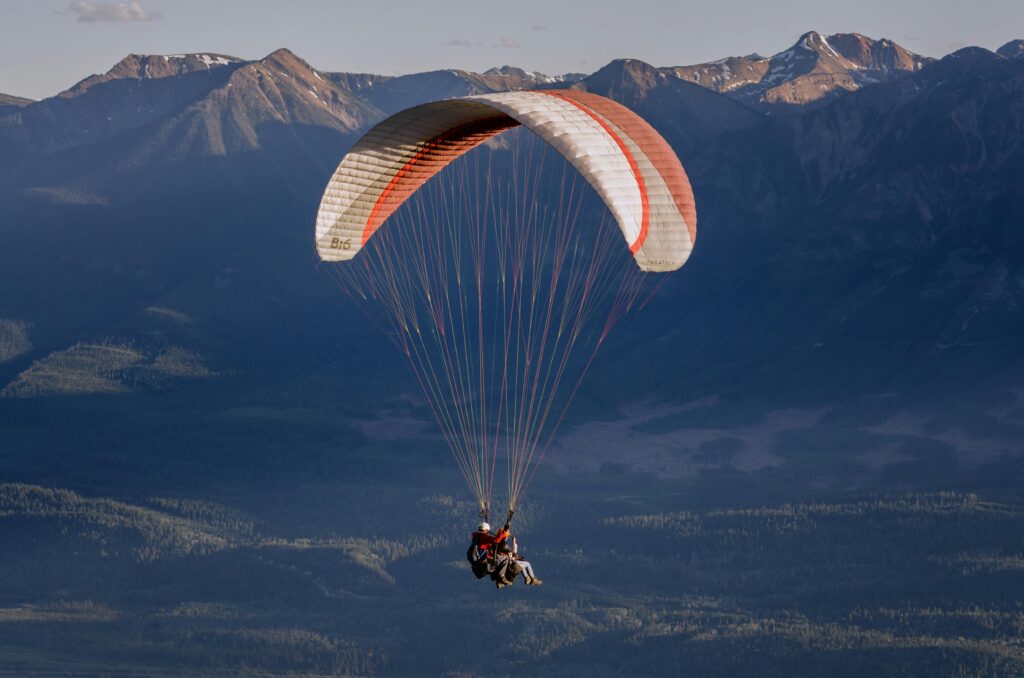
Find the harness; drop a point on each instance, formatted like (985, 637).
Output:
(481, 560)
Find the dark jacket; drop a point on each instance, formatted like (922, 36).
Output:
(481, 553)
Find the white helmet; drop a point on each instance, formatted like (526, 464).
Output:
(484, 527)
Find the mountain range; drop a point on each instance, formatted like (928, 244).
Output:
(858, 210)
(802, 457)
(813, 70)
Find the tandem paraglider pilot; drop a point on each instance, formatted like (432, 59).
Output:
(497, 556)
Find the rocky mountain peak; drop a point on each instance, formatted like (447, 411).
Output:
(512, 77)
(810, 50)
(11, 100)
(635, 67)
(507, 70)
(279, 89)
(875, 55)
(625, 79)
(812, 40)
(285, 58)
(970, 56)
(816, 68)
(152, 67)
(284, 62)
(205, 104)
(1014, 49)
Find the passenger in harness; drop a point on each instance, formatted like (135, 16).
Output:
(508, 565)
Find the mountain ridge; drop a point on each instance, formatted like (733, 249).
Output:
(813, 70)
(11, 100)
(251, 144)
(206, 104)
(149, 66)
(1014, 49)
(821, 67)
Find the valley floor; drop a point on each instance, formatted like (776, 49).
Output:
(866, 547)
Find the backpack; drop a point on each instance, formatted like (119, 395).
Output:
(479, 562)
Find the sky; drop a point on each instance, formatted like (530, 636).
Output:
(48, 45)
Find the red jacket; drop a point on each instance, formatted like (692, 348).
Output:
(486, 541)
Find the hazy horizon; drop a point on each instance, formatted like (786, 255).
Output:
(544, 37)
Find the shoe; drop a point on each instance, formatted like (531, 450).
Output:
(535, 582)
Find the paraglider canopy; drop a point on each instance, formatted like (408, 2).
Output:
(627, 162)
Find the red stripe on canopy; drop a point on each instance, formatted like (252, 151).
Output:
(652, 144)
(645, 212)
(434, 156)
